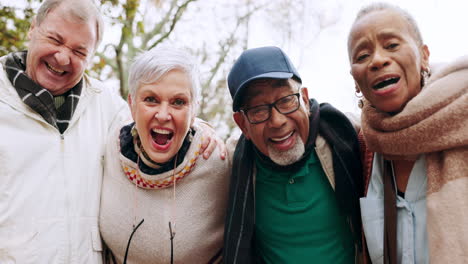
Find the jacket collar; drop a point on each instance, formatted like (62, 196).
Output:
(9, 96)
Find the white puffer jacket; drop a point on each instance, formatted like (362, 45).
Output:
(50, 183)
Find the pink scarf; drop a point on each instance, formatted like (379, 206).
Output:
(434, 123)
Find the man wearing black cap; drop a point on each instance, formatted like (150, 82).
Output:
(296, 170)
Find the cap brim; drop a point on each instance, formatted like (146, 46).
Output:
(273, 75)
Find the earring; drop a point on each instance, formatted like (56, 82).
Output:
(425, 74)
(190, 135)
(358, 94)
(134, 131)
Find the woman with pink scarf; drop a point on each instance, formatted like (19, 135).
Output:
(415, 141)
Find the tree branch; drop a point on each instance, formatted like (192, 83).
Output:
(158, 27)
(225, 47)
(175, 19)
(130, 8)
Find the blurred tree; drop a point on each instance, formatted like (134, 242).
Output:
(214, 31)
(14, 25)
(135, 34)
(192, 24)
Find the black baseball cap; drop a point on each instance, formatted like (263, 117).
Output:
(257, 63)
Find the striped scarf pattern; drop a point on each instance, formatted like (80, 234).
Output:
(39, 98)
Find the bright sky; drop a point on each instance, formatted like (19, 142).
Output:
(322, 60)
(324, 65)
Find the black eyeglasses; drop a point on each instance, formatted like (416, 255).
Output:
(261, 113)
(130, 240)
(172, 235)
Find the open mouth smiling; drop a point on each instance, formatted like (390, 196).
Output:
(161, 136)
(54, 70)
(279, 140)
(386, 82)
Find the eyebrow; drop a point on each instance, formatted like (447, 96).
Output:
(385, 34)
(59, 37)
(53, 34)
(274, 83)
(149, 91)
(359, 46)
(249, 96)
(182, 95)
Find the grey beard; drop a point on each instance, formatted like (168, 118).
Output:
(287, 157)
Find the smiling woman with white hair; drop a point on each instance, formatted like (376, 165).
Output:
(161, 202)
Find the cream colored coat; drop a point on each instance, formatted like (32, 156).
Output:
(50, 183)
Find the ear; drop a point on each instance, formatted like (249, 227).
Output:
(305, 97)
(352, 76)
(241, 122)
(425, 57)
(130, 104)
(358, 90)
(192, 118)
(194, 108)
(31, 28)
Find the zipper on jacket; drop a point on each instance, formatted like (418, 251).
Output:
(68, 256)
(62, 144)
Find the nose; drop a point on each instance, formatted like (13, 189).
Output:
(62, 56)
(163, 114)
(379, 60)
(277, 119)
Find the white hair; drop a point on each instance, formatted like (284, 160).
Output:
(82, 10)
(381, 6)
(150, 66)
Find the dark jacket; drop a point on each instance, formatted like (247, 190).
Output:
(342, 139)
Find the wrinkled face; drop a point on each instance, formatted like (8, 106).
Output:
(59, 51)
(386, 61)
(163, 114)
(282, 136)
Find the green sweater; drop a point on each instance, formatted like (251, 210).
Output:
(298, 219)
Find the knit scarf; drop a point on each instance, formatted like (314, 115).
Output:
(39, 98)
(434, 123)
(148, 176)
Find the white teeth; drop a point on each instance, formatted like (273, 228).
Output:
(54, 69)
(161, 131)
(283, 138)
